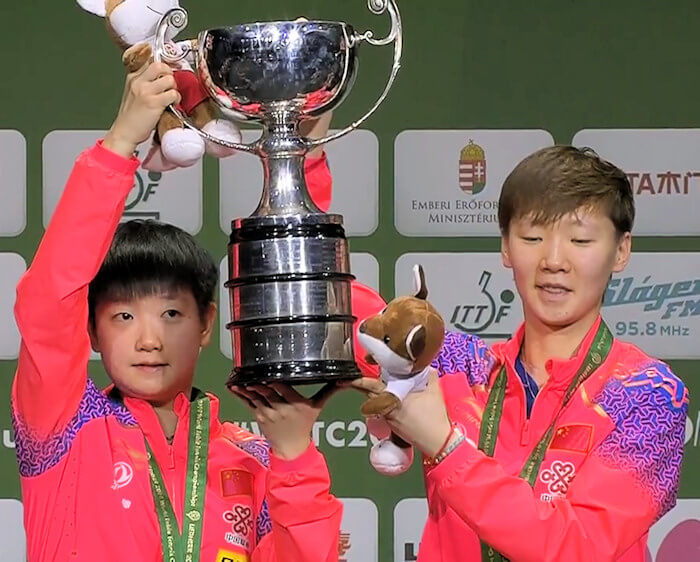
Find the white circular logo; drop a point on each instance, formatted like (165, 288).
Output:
(688, 430)
(123, 474)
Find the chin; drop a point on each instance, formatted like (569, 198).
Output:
(556, 319)
(148, 392)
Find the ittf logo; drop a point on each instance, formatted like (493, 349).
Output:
(472, 169)
(484, 318)
(144, 187)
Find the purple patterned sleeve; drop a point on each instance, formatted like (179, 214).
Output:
(465, 353)
(260, 450)
(263, 524)
(36, 455)
(649, 409)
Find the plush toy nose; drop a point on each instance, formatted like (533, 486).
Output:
(363, 328)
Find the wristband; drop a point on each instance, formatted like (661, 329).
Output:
(446, 449)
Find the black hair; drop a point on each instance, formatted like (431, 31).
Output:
(558, 180)
(147, 257)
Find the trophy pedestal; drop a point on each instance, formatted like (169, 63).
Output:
(290, 297)
(295, 373)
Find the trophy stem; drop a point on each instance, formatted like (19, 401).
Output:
(283, 152)
(289, 275)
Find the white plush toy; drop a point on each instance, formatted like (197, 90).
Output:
(132, 24)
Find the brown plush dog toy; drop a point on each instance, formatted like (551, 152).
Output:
(132, 25)
(403, 339)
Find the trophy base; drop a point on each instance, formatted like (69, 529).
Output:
(295, 373)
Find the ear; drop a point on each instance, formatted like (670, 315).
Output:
(622, 253)
(207, 325)
(415, 342)
(96, 7)
(93, 337)
(505, 252)
(419, 282)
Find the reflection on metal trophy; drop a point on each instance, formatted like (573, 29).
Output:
(289, 268)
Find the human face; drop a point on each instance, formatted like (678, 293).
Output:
(150, 344)
(561, 270)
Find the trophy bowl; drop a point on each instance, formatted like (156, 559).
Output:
(304, 67)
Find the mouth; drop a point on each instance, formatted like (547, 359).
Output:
(553, 288)
(150, 367)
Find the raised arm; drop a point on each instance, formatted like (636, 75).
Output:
(51, 307)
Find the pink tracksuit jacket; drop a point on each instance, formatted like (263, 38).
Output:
(611, 470)
(81, 453)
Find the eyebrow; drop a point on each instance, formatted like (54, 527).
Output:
(165, 295)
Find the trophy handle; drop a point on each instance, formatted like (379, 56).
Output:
(173, 21)
(395, 36)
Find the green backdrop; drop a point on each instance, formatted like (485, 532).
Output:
(557, 65)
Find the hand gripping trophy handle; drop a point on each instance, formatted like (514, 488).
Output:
(175, 20)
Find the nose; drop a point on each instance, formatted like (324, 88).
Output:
(554, 256)
(363, 327)
(149, 338)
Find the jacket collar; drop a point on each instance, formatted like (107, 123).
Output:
(148, 420)
(559, 370)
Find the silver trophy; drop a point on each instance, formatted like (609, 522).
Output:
(289, 268)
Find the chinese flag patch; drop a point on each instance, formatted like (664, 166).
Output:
(576, 438)
(236, 483)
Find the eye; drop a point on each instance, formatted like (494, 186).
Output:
(124, 316)
(581, 241)
(531, 238)
(386, 339)
(172, 313)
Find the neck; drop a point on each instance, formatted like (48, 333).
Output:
(542, 343)
(166, 414)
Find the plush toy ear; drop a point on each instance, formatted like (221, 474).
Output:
(415, 342)
(96, 7)
(419, 282)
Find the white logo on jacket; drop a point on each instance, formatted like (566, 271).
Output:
(558, 478)
(123, 474)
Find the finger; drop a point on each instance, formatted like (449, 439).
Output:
(163, 84)
(370, 395)
(267, 393)
(362, 390)
(369, 385)
(156, 70)
(259, 400)
(171, 97)
(322, 396)
(239, 393)
(287, 392)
